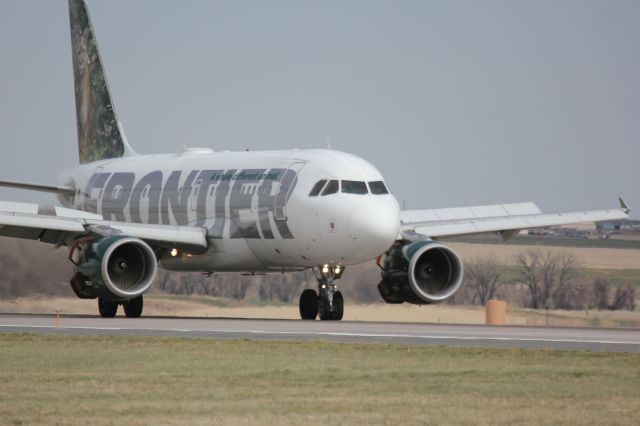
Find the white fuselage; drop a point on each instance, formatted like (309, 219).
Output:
(256, 206)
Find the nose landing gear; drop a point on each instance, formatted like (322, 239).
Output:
(328, 302)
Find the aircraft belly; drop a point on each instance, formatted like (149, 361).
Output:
(222, 255)
(278, 254)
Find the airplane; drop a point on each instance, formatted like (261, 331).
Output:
(123, 215)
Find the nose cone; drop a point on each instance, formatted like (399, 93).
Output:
(374, 226)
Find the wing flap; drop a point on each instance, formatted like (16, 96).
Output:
(38, 227)
(21, 208)
(39, 222)
(187, 238)
(57, 225)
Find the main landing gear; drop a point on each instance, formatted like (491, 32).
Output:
(327, 302)
(132, 308)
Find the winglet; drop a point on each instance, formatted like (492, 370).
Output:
(623, 206)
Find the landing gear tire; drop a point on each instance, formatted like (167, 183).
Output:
(133, 308)
(324, 308)
(338, 305)
(107, 308)
(308, 304)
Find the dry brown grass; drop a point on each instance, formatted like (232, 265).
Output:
(591, 258)
(207, 307)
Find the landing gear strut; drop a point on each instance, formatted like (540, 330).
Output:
(328, 302)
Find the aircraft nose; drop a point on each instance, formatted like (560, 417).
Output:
(374, 226)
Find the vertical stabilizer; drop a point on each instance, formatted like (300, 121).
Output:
(99, 131)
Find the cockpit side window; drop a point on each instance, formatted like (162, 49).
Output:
(378, 187)
(317, 188)
(354, 187)
(332, 187)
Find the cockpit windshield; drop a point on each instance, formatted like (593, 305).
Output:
(332, 187)
(317, 188)
(328, 187)
(378, 187)
(354, 187)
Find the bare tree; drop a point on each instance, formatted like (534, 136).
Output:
(232, 286)
(625, 298)
(228, 285)
(572, 296)
(482, 277)
(30, 267)
(549, 277)
(530, 268)
(281, 287)
(600, 294)
(567, 292)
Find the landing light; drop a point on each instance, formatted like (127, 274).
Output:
(337, 270)
(325, 269)
(174, 252)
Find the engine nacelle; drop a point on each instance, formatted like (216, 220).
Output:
(420, 273)
(114, 268)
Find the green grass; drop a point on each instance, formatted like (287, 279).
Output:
(50, 379)
(616, 277)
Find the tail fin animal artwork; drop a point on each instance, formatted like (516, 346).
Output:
(100, 134)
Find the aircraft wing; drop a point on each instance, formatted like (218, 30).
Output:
(37, 187)
(58, 225)
(505, 219)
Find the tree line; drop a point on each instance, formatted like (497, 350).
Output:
(539, 280)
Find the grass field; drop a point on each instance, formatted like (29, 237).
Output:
(616, 277)
(100, 380)
(532, 240)
(587, 257)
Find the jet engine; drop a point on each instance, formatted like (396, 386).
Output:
(114, 268)
(420, 273)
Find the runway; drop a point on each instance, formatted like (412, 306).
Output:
(589, 339)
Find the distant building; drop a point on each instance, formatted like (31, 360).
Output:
(580, 227)
(619, 225)
(607, 227)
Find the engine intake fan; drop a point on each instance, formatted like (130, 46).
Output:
(114, 268)
(420, 273)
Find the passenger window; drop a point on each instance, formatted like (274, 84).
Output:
(332, 187)
(354, 187)
(378, 187)
(317, 188)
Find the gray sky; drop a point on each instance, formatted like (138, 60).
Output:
(456, 102)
